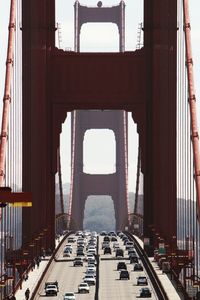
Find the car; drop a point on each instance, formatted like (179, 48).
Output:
(124, 274)
(69, 247)
(103, 233)
(91, 260)
(145, 293)
(106, 238)
(69, 296)
(131, 250)
(80, 253)
(105, 244)
(107, 250)
(121, 266)
(83, 288)
(88, 256)
(91, 268)
(78, 261)
(90, 272)
(142, 280)
(129, 245)
(91, 251)
(51, 288)
(71, 239)
(90, 279)
(133, 259)
(138, 267)
(119, 252)
(66, 252)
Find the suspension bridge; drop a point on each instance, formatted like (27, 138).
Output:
(44, 84)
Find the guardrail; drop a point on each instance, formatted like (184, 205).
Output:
(160, 292)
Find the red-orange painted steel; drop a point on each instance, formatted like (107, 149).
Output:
(192, 100)
(143, 82)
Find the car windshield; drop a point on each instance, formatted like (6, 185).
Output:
(89, 276)
(69, 294)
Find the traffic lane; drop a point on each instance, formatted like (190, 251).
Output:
(68, 277)
(121, 290)
(111, 287)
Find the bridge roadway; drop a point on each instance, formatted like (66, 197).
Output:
(110, 287)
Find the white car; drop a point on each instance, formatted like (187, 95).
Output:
(90, 272)
(83, 287)
(91, 268)
(68, 247)
(90, 279)
(51, 289)
(69, 296)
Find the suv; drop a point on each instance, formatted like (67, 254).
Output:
(78, 261)
(119, 252)
(107, 250)
(142, 280)
(121, 266)
(145, 293)
(124, 274)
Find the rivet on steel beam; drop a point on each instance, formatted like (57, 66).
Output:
(187, 25)
(10, 61)
(7, 97)
(189, 61)
(195, 135)
(11, 25)
(192, 98)
(4, 135)
(2, 174)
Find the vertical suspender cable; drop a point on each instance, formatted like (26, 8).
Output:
(137, 182)
(72, 167)
(126, 163)
(60, 183)
(192, 101)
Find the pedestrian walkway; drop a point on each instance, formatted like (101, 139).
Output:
(166, 283)
(33, 277)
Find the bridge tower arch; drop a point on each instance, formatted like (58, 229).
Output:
(115, 184)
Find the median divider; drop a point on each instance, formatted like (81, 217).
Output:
(96, 297)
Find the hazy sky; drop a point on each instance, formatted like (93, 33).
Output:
(101, 37)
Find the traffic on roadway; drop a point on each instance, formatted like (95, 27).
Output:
(90, 266)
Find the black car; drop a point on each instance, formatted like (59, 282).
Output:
(133, 259)
(124, 274)
(78, 262)
(113, 238)
(121, 266)
(80, 253)
(107, 250)
(119, 252)
(106, 238)
(138, 267)
(145, 293)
